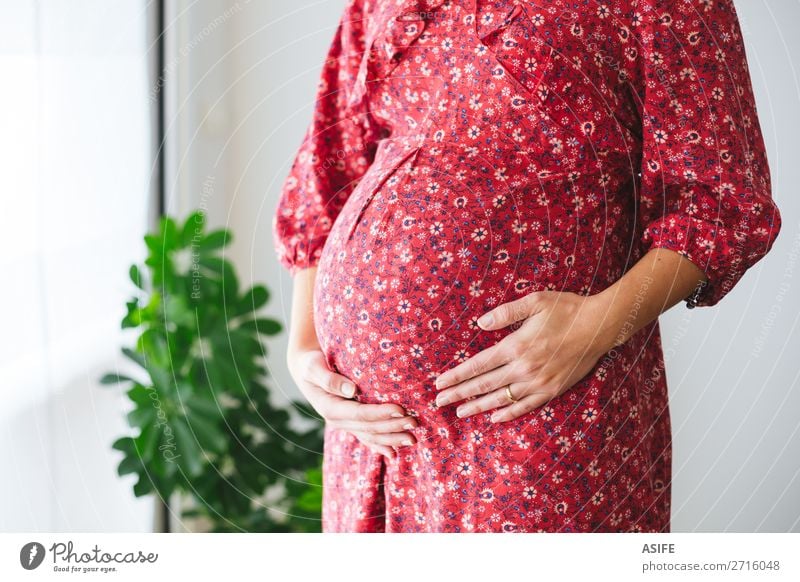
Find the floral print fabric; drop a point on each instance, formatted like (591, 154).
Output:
(464, 153)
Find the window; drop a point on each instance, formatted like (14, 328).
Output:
(77, 156)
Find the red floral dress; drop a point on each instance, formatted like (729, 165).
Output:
(464, 153)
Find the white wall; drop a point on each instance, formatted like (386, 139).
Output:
(74, 157)
(732, 369)
(734, 372)
(276, 70)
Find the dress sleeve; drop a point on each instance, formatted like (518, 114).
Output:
(705, 181)
(335, 153)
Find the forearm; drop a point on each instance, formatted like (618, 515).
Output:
(659, 280)
(302, 334)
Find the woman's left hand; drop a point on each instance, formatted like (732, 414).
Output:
(562, 337)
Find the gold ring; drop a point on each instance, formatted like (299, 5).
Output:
(509, 394)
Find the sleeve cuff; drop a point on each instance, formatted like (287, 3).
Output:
(711, 248)
(293, 259)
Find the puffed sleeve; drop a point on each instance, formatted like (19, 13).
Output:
(336, 151)
(705, 182)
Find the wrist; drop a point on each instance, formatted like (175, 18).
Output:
(612, 329)
(297, 347)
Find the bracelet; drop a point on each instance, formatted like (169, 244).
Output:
(691, 301)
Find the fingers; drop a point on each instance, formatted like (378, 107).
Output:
(504, 351)
(482, 384)
(388, 440)
(341, 409)
(522, 406)
(320, 374)
(384, 444)
(395, 425)
(335, 408)
(384, 450)
(482, 362)
(370, 422)
(365, 418)
(490, 401)
(388, 452)
(379, 426)
(508, 313)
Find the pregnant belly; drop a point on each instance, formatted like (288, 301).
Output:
(415, 258)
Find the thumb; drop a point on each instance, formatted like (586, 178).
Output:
(338, 385)
(325, 376)
(506, 314)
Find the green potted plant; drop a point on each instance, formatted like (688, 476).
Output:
(203, 425)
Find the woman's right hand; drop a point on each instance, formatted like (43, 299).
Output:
(379, 426)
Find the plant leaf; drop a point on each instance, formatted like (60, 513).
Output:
(169, 234)
(213, 264)
(177, 311)
(135, 356)
(187, 448)
(255, 298)
(113, 378)
(153, 346)
(147, 443)
(130, 464)
(154, 245)
(216, 240)
(264, 326)
(142, 416)
(136, 276)
(209, 436)
(134, 316)
(221, 271)
(124, 444)
(143, 486)
(140, 395)
(193, 227)
(230, 284)
(208, 409)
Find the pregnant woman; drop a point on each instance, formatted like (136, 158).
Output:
(494, 202)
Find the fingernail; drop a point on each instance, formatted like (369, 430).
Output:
(348, 389)
(461, 412)
(408, 442)
(397, 415)
(408, 426)
(442, 401)
(495, 418)
(485, 320)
